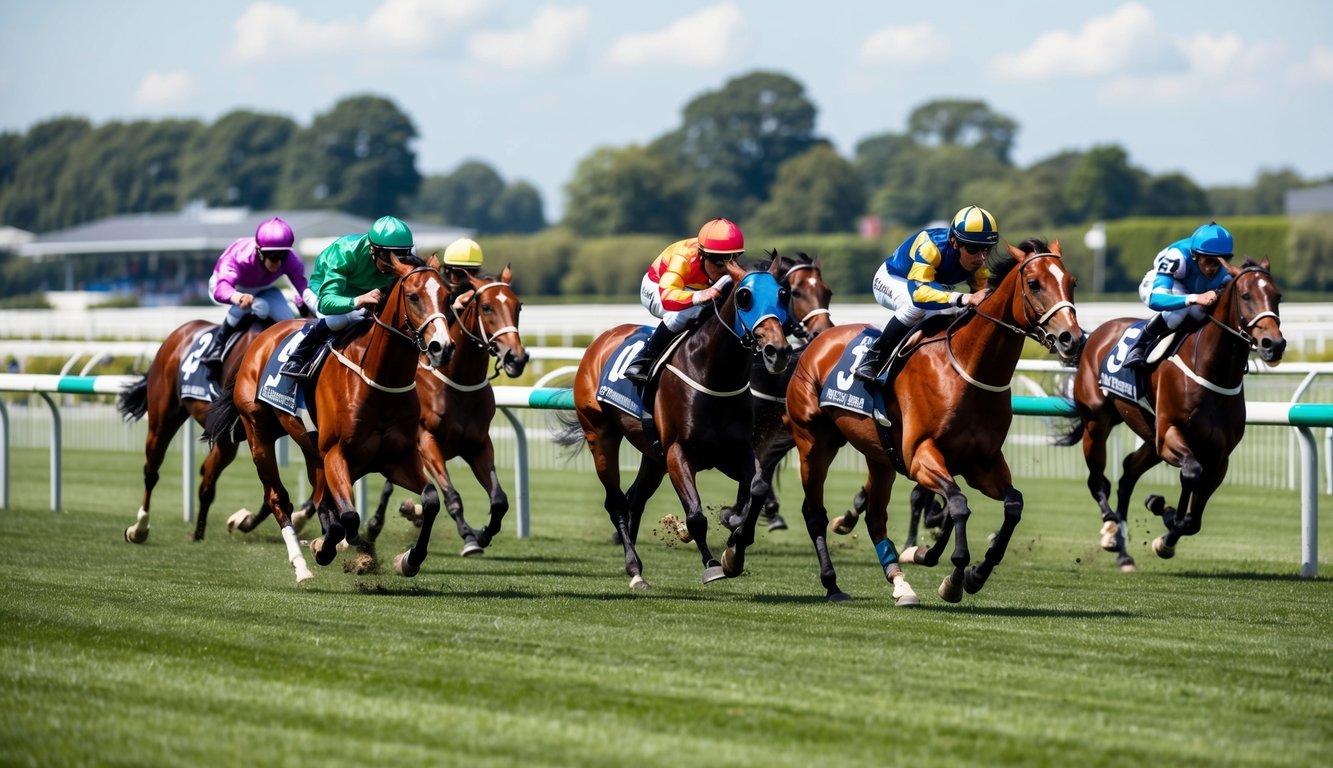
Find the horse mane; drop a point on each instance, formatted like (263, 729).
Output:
(1004, 263)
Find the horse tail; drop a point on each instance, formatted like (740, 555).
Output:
(222, 416)
(569, 433)
(132, 402)
(1071, 433)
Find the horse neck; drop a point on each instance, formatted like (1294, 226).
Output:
(1215, 352)
(388, 359)
(986, 347)
(716, 353)
(470, 359)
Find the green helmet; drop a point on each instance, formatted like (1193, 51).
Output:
(390, 232)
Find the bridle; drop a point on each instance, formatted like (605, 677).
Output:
(417, 338)
(481, 338)
(1241, 328)
(799, 328)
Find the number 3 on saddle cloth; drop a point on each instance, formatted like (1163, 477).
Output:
(843, 390)
(1133, 384)
(286, 393)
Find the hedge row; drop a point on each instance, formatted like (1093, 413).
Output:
(555, 263)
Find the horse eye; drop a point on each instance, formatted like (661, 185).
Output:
(1034, 285)
(1245, 296)
(744, 299)
(784, 296)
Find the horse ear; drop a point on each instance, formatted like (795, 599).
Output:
(1055, 248)
(775, 266)
(1013, 251)
(433, 261)
(455, 276)
(506, 274)
(1265, 264)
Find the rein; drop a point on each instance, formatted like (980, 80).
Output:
(416, 339)
(800, 329)
(481, 338)
(1240, 331)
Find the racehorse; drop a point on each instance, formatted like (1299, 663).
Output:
(1196, 415)
(699, 423)
(158, 394)
(366, 411)
(948, 411)
(809, 314)
(458, 403)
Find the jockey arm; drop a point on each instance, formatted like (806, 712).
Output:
(681, 281)
(929, 294)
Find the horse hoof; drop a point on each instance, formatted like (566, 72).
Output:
(639, 583)
(1155, 504)
(1110, 532)
(733, 562)
(713, 571)
(342, 546)
(403, 565)
(1128, 567)
(136, 535)
(323, 554)
(904, 596)
(971, 583)
(777, 524)
(471, 547)
(303, 572)
(915, 555)
(839, 597)
(238, 519)
(950, 590)
(842, 526)
(1162, 549)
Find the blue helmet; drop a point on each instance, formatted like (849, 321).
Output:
(1212, 239)
(974, 225)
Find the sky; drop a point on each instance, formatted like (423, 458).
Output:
(1217, 89)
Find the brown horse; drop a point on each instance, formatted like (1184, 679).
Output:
(157, 394)
(366, 406)
(948, 413)
(458, 403)
(1198, 408)
(700, 423)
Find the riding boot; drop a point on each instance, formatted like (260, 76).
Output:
(213, 353)
(1148, 338)
(299, 360)
(639, 369)
(873, 361)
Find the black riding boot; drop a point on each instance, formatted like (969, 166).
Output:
(213, 353)
(893, 333)
(298, 362)
(638, 369)
(1152, 332)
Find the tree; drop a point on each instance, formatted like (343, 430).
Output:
(237, 160)
(518, 209)
(881, 157)
(732, 141)
(356, 158)
(29, 201)
(1270, 190)
(1103, 185)
(953, 122)
(631, 190)
(462, 198)
(926, 183)
(1172, 195)
(818, 191)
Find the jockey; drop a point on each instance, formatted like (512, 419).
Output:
(348, 279)
(918, 279)
(1183, 281)
(465, 254)
(680, 282)
(244, 275)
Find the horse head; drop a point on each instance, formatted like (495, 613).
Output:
(810, 295)
(415, 306)
(1043, 301)
(759, 305)
(1249, 307)
(486, 310)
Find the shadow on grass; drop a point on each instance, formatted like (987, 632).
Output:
(1244, 576)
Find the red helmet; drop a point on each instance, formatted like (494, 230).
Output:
(721, 236)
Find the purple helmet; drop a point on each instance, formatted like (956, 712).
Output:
(274, 234)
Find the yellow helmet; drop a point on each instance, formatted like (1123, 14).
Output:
(463, 252)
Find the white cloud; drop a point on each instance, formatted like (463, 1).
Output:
(918, 44)
(267, 31)
(1104, 45)
(164, 89)
(1321, 64)
(701, 40)
(548, 40)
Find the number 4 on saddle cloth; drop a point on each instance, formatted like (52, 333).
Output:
(1128, 383)
(284, 392)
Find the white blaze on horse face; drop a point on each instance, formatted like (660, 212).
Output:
(436, 288)
(1058, 273)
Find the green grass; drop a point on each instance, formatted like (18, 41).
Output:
(174, 653)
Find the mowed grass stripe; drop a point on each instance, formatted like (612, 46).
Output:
(539, 654)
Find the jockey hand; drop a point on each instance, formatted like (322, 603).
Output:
(243, 300)
(1206, 299)
(370, 298)
(712, 292)
(973, 299)
(462, 301)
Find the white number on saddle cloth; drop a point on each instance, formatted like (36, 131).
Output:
(845, 378)
(622, 361)
(191, 363)
(1115, 361)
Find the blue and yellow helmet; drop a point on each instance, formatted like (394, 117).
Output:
(1212, 239)
(976, 226)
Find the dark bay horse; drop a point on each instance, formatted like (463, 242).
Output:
(702, 412)
(367, 411)
(948, 414)
(157, 394)
(809, 317)
(1198, 408)
(458, 403)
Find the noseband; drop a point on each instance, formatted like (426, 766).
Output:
(800, 330)
(416, 339)
(1241, 328)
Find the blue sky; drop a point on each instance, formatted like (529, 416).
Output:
(1219, 90)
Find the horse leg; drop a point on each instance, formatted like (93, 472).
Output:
(604, 445)
(646, 483)
(682, 477)
(276, 500)
(1135, 465)
(1115, 523)
(995, 481)
(733, 557)
(160, 433)
(412, 475)
(1196, 487)
(929, 469)
(879, 490)
(846, 522)
(376, 522)
(815, 460)
(483, 468)
(768, 467)
(337, 513)
(220, 456)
